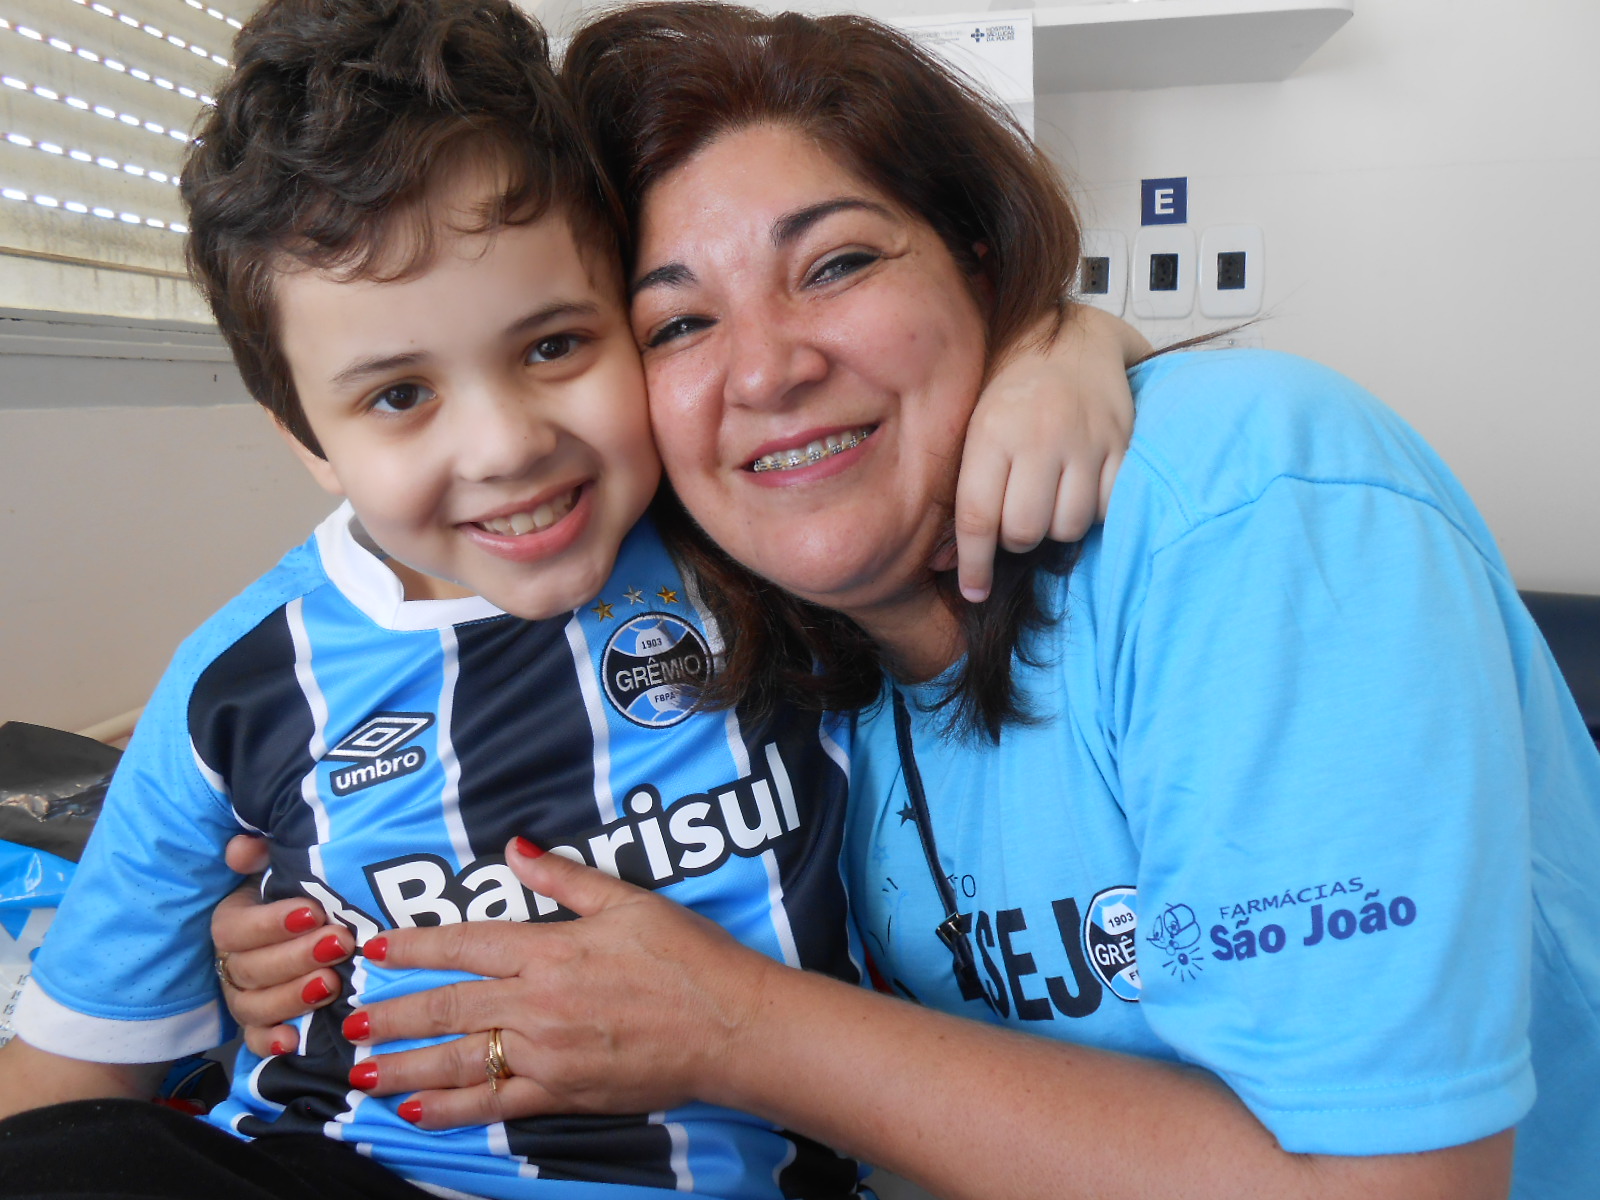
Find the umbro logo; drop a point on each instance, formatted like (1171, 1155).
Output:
(378, 745)
(379, 734)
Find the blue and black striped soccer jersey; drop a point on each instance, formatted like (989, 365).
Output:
(389, 749)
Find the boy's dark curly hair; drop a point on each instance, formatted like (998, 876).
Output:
(327, 142)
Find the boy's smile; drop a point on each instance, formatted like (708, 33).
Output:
(485, 416)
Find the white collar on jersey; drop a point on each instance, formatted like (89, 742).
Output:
(360, 574)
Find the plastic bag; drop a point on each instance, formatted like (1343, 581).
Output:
(51, 787)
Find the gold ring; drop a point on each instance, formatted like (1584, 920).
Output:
(494, 1065)
(224, 974)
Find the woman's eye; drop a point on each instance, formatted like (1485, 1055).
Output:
(676, 328)
(401, 397)
(841, 265)
(557, 345)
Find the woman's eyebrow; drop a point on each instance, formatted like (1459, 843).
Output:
(671, 275)
(790, 226)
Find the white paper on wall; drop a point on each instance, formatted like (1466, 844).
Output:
(993, 48)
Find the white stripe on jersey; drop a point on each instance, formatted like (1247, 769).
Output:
(294, 611)
(680, 1150)
(500, 1147)
(353, 1099)
(780, 913)
(791, 816)
(589, 686)
(790, 1152)
(832, 748)
(215, 782)
(736, 745)
(450, 797)
(780, 780)
(254, 1084)
(438, 1189)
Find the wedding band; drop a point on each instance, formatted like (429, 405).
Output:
(224, 974)
(494, 1065)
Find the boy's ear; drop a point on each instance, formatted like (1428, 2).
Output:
(321, 470)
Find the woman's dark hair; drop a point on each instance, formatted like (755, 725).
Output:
(341, 120)
(658, 82)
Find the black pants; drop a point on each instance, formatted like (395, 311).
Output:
(135, 1150)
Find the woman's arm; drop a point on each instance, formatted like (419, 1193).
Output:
(1045, 441)
(642, 1004)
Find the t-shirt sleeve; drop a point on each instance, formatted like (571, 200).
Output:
(125, 973)
(1321, 749)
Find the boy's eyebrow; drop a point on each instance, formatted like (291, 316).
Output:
(560, 310)
(784, 230)
(383, 364)
(378, 365)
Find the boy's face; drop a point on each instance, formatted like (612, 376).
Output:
(485, 417)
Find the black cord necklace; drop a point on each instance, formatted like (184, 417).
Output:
(948, 930)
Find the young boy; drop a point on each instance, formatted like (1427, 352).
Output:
(406, 245)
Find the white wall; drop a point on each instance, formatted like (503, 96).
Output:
(121, 529)
(1427, 185)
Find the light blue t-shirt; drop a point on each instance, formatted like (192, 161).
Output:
(1309, 804)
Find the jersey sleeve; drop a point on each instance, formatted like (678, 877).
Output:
(125, 973)
(1321, 748)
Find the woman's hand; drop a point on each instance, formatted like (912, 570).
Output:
(278, 954)
(1045, 442)
(629, 1009)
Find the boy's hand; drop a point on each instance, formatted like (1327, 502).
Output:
(33, 1078)
(278, 956)
(1045, 442)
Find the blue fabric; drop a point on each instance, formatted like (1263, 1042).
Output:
(1309, 805)
(389, 765)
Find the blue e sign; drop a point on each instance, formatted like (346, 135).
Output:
(1164, 201)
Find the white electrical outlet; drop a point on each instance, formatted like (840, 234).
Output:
(1163, 274)
(1103, 271)
(1232, 271)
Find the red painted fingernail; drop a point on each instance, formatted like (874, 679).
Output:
(377, 949)
(278, 1048)
(411, 1111)
(315, 992)
(527, 849)
(358, 1025)
(364, 1075)
(328, 949)
(300, 920)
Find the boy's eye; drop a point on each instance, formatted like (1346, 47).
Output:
(676, 328)
(557, 345)
(841, 265)
(400, 397)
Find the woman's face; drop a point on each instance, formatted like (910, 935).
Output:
(813, 352)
